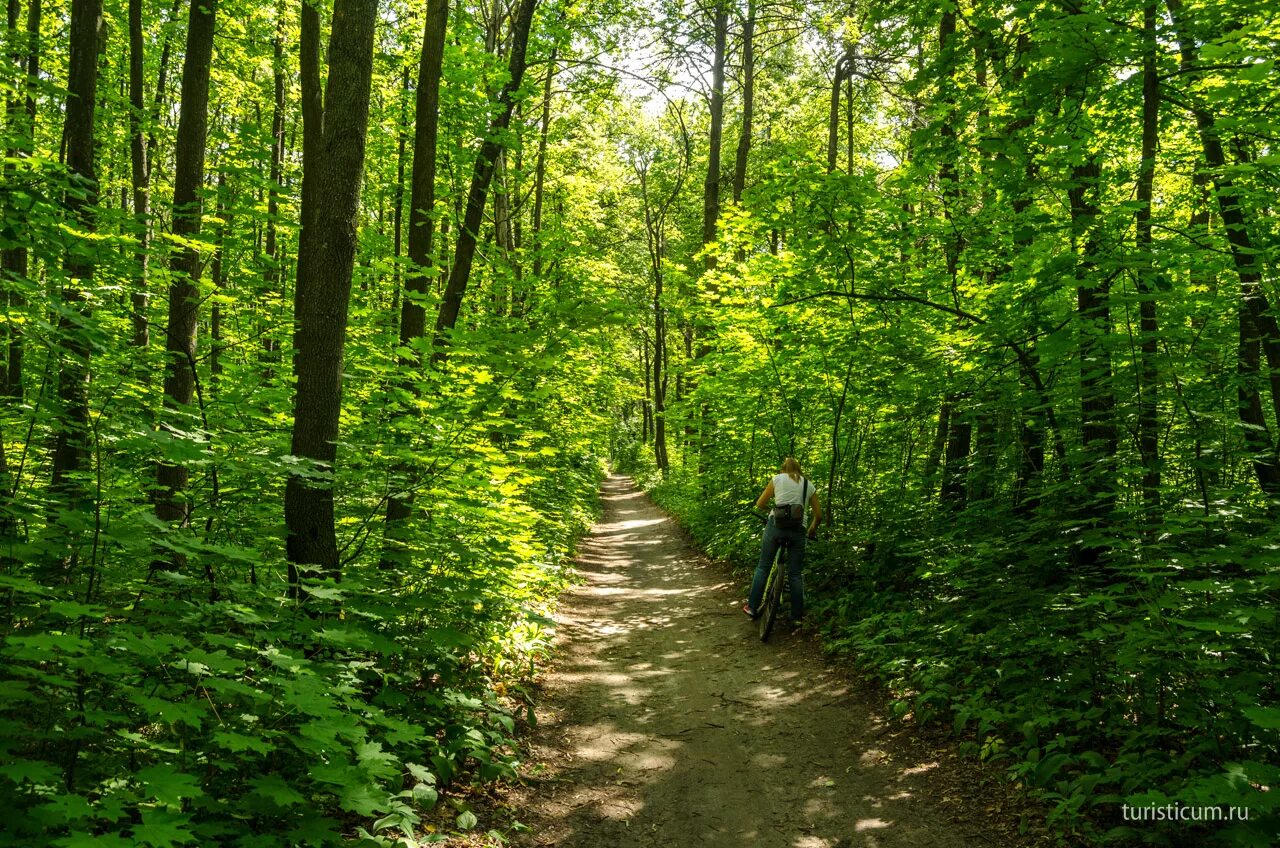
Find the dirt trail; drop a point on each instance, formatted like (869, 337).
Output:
(667, 723)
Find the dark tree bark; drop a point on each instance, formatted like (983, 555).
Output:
(748, 102)
(188, 177)
(1098, 430)
(13, 260)
(139, 173)
(1098, 434)
(71, 345)
(14, 263)
(421, 224)
(646, 425)
(947, 176)
(1030, 448)
(540, 166)
(697, 431)
(272, 274)
(325, 264)
(655, 217)
(1148, 375)
(8, 520)
(711, 185)
(216, 343)
(397, 214)
(956, 460)
(833, 115)
(465, 246)
(312, 108)
(142, 155)
(1259, 332)
(503, 295)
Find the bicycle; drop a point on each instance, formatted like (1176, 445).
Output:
(777, 580)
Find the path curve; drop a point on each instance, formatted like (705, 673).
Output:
(666, 722)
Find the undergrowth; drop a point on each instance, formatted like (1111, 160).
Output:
(1141, 687)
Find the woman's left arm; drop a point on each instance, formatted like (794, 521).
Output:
(815, 511)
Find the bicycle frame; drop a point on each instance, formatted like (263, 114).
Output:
(773, 591)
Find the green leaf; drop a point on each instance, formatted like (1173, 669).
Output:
(1267, 718)
(466, 820)
(163, 829)
(1048, 767)
(425, 796)
(33, 771)
(363, 799)
(274, 789)
(238, 743)
(169, 786)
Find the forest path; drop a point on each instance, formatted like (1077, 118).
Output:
(666, 722)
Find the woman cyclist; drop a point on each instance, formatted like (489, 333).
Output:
(790, 492)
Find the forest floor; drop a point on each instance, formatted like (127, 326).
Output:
(665, 721)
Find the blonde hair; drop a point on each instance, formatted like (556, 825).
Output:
(791, 468)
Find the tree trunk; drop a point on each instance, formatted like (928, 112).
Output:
(312, 116)
(14, 263)
(711, 185)
(1258, 326)
(1148, 376)
(540, 166)
(647, 407)
(397, 220)
(184, 292)
(748, 102)
(139, 174)
(273, 275)
(933, 460)
(216, 342)
(833, 116)
(422, 202)
(956, 460)
(465, 246)
(71, 345)
(325, 265)
(654, 226)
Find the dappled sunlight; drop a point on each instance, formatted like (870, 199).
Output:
(870, 824)
(678, 727)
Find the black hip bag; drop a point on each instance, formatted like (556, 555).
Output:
(790, 516)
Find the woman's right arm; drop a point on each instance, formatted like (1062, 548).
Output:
(765, 496)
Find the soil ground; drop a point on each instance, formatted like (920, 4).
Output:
(666, 722)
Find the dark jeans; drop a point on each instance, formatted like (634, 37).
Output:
(773, 537)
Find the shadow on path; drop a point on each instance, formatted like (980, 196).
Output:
(667, 722)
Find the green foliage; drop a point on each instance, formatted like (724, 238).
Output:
(909, 326)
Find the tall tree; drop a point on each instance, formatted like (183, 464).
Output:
(274, 276)
(72, 346)
(334, 137)
(715, 133)
(1148, 376)
(748, 102)
(465, 245)
(185, 265)
(422, 203)
(14, 261)
(1258, 328)
(139, 171)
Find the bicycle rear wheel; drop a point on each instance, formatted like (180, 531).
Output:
(772, 597)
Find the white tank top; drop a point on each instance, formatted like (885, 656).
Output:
(787, 491)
